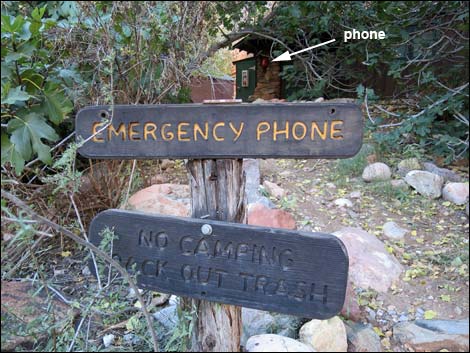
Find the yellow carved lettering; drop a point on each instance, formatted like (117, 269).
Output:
(214, 131)
(235, 131)
(120, 131)
(284, 132)
(294, 130)
(182, 133)
(259, 129)
(132, 132)
(323, 133)
(167, 136)
(333, 131)
(149, 129)
(204, 134)
(94, 132)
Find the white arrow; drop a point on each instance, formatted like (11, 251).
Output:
(287, 57)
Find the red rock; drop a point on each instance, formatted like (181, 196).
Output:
(351, 309)
(169, 199)
(260, 215)
(370, 264)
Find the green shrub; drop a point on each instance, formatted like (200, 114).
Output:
(33, 99)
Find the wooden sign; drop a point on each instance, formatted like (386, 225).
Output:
(291, 272)
(196, 131)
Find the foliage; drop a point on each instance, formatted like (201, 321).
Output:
(424, 56)
(33, 100)
(98, 52)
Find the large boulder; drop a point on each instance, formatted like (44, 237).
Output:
(351, 309)
(456, 193)
(426, 183)
(447, 174)
(261, 215)
(370, 264)
(275, 343)
(433, 335)
(325, 335)
(376, 172)
(169, 199)
(258, 322)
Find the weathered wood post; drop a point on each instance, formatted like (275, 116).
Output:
(217, 192)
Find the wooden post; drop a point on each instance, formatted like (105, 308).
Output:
(217, 192)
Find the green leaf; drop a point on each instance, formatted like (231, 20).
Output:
(14, 95)
(22, 141)
(9, 154)
(6, 70)
(38, 13)
(429, 314)
(25, 33)
(56, 105)
(27, 133)
(6, 23)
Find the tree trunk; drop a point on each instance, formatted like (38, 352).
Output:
(217, 192)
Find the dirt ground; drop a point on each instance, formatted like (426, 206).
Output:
(434, 253)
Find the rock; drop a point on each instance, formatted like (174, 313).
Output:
(169, 199)
(433, 335)
(20, 313)
(407, 165)
(274, 189)
(355, 195)
(325, 335)
(158, 179)
(343, 203)
(275, 343)
(257, 322)
(351, 309)
(166, 322)
(399, 184)
(456, 193)
(108, 340)
(426, 183)
(376, 172)
(362, 338)
(319, 100)
(166, 164)
(393, 231)
(252, 179)
(447, 174)
(260, 215)
(370, 264)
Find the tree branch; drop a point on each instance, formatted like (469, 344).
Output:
(21, 204)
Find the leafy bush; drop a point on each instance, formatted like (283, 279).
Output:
(33, 99)
(424, 57)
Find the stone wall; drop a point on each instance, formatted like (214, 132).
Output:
(268, 82)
